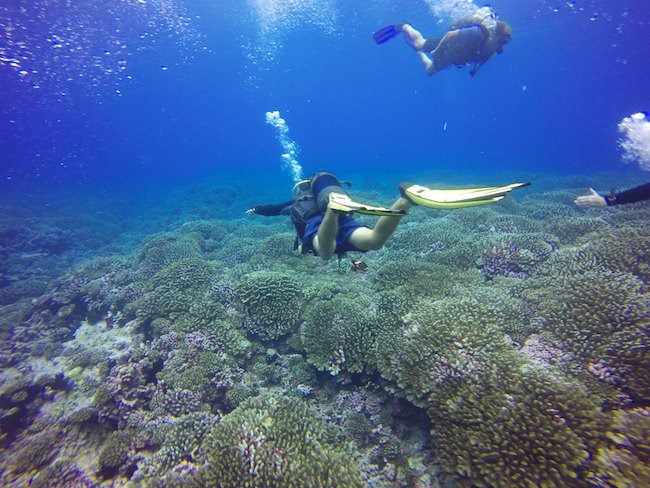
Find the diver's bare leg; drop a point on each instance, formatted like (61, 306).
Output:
(412, 37)
(428, 64)
(325, 239)
(372, 239)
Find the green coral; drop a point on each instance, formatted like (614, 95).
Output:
(272, 303)
(162, 250)
(208, 315)
(556, 204)
(594, 306)
(626, 356)
(183, 441)
(569, 229)
(276, 441)
(624, 462)
(419, 238)
(624, 249)
(207, 373)
(568, 262)
(36, 452)
(337, 335)
(527, 429)
(209, 236)
(175, 288)
(114, 453)
(514, 224)
(450, 339)
(277, 246)
(358, 428)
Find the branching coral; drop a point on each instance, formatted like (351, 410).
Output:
(624, 249)
(337, 335)
(624, 462)
(594, 306)
(451, 339)
(174, 288)
(162, 250)
(527, 429)
(276, 441)
(625, 362)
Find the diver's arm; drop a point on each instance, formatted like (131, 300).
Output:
(632, 195)
(270, 210)
(594, 199)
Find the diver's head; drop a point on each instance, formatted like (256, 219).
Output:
(504, 35)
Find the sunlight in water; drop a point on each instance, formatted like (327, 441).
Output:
(276, 18)
(448, 10)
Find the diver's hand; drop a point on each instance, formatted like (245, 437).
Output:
(591, 200)
(250, 212)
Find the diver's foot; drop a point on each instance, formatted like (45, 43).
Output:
(412, 37)
(340, 204)
(402, 191)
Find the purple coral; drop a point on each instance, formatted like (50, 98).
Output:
(503, 260)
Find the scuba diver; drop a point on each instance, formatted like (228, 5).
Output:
(633, 195)
(471, 41)
(321, 213)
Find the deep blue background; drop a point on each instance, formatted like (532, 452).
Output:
(190, 108)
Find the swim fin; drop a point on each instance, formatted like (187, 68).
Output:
(339, 202)
(455, 198)
(385, 34)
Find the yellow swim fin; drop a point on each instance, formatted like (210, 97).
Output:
(340, 202)
(455, 198)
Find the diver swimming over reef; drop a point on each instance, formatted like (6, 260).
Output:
(320, 212)
(471, 40)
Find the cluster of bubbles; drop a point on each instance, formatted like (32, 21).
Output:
(289, 147)
(50, 43)
(456, 9)
(276, 18)
(636, 139)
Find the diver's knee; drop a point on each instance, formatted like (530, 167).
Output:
(374, 245)
(325, 256)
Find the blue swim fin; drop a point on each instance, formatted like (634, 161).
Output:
(385, 34)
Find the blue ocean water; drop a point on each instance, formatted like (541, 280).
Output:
(123, 119)
(173, 91)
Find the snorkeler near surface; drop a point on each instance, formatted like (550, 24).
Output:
(321, 208)
(633, 195)
(471, 40)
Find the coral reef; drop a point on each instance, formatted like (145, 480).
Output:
(272, 304)
(451, 339)
(273, 440)
(337, 335)
(624, 461)
(594, 306)
(497, 346)
(530, 429)
(173, 289)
